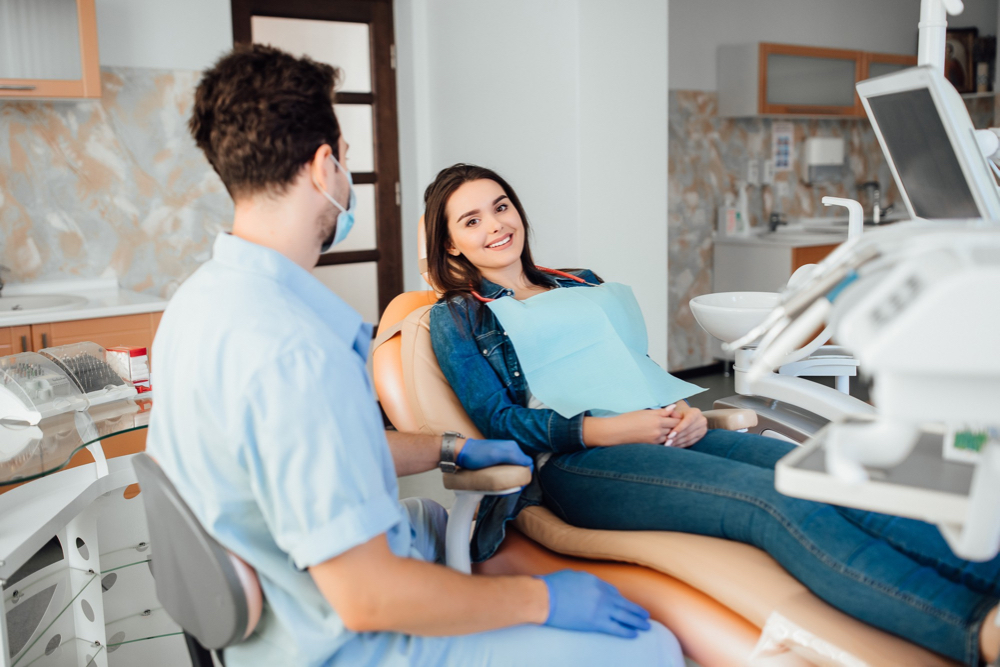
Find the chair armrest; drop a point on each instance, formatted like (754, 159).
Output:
(493, 479)
(731, 420)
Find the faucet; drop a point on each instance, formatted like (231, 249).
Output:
(874, 195)
(3, 269)
(774, 220)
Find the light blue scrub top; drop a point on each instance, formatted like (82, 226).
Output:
(265, 421)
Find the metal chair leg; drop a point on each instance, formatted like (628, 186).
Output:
(200, 656)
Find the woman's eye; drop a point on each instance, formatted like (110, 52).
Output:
(501, 207)
(472, 221)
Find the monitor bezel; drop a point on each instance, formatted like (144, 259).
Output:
(957, 125)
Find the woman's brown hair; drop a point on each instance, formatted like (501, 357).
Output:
(457, 276)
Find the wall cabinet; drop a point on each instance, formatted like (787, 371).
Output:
(49, 49)
(789, 80)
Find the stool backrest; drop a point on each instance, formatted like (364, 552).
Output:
(209, 592)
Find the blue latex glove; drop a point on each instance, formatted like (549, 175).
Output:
(478, 454)
(581, 601)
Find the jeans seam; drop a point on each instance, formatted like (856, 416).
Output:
(792, 530)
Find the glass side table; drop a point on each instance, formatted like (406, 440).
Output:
(31, 452)
(76, 561)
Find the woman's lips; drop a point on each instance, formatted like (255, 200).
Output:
(502, 243)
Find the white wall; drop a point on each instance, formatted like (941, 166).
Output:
(698, 27)
(534, 90)
(180, 34)
(494, 84)
(623, 152)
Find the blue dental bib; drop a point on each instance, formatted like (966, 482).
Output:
(586, 349)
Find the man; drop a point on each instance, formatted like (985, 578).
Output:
(266, 423)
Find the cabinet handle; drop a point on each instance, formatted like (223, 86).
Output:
(45, 340)
(15, 86)
(24, 343)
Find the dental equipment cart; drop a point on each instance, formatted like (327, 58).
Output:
(75, 554)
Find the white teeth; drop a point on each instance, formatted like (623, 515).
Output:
(501, 243)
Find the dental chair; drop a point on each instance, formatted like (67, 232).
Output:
(727, 603)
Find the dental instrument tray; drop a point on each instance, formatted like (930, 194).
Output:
(923, 486)
(67, 378)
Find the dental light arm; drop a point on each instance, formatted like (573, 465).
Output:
(933, 27)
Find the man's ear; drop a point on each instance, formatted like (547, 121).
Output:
(318, 165)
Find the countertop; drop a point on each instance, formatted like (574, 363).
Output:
(104, 298)
(788, 238)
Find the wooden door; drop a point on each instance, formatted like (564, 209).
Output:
(357, 37)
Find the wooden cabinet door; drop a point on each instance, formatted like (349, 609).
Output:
(131, 330)
(54, 48)
(805, 80)
(810, 255)
(14, 340)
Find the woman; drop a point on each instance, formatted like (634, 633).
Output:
(660, 468)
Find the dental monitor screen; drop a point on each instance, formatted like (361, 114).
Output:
(930, 145)
(924, 157)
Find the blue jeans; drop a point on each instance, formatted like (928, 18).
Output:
(896, 574)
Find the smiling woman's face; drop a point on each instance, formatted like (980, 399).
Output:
(484, 225)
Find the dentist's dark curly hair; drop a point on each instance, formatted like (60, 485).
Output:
(457, 276)
(260, 114)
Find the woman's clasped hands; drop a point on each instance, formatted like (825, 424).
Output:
(676, 425)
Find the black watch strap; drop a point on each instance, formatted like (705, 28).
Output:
(448, 441)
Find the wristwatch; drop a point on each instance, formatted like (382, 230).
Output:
(447, 463)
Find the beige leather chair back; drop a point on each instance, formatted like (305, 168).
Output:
(408, 380)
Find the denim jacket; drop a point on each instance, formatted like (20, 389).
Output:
(479, 362)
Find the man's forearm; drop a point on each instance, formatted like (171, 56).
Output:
(375, 591)
(437, 601)
(414, 452)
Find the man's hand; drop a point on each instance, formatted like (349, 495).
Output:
(580, 601)
(692, 426)
(475, 454)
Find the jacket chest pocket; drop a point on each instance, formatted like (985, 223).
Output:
(493, 348)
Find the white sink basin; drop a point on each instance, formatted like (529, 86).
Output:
(38, 303)
(730, 315)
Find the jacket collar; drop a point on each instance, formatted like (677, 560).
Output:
(490, 290)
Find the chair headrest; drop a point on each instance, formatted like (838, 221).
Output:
(208, 592)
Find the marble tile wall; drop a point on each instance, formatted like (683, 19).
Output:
(109, 188)
(708, 156)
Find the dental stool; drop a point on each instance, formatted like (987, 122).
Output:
(727, 603)
(214, 596)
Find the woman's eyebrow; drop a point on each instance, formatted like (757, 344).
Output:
(476, 211)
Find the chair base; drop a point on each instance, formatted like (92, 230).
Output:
(201, 656)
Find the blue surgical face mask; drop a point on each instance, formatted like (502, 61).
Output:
(345, 220)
